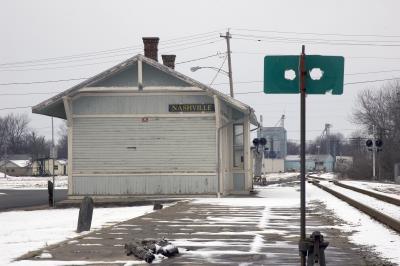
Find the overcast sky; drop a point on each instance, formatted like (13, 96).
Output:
(366, 33)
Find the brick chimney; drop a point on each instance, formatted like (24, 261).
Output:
(151, 47)
(169, 60)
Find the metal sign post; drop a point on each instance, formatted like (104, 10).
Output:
(302, 87)
(331, 69)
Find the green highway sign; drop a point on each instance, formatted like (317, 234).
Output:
(324, 74)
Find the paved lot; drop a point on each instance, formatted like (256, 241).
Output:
(216, 235)
(15, 198)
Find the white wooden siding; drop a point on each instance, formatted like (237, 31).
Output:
(119, 153)
(125, 145)
(139, 104)
(145, 184)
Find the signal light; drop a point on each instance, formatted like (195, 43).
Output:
(256, 142)
(378, 143)
(260, 141)
(369, 143)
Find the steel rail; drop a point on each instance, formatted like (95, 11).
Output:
(377, 215)
(384, 198)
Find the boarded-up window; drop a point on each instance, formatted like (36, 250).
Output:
(238, 148)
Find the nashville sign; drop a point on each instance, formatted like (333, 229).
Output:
(195, 107)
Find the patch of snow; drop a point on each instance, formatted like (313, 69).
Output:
(257, 244)
(31, 182)
(48, 227)
(279, 176)
(75, 262)
(45, 255)
(325, 175)
(365, 230)
(264, 219)
(21, 163)
(388, 189)
(384, 207)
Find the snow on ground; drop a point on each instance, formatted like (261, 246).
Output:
(325, 175)
(365, 230)
(384, 207)
(279, 176)
(24, 231)
(388, 189)
(31, 182)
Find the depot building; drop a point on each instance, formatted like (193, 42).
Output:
(142, 128)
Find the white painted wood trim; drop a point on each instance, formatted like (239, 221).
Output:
(140, 75)
(67, 107)
(247, 162)
(140, 93)
(68, 112)
(149, 89)
(182, 115)
(148, 174)
(218, 148)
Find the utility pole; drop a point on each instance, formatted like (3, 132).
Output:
(328, 140)
(5, 159)
(374, 153)
(53, 156)
(227, 37)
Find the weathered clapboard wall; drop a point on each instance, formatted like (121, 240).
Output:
(131, 144)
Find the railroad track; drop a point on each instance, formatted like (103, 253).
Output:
(349, 194)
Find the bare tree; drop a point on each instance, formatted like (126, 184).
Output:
(381, 108)
(13, 130)
(62, 144)
(37, 146)
(17, 138)
(293, 148)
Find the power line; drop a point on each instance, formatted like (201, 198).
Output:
(347, 57)
(56, 68)
(193, 46)
(222, 83)
(29, 93)
(117, 50)
(319, 33)
(40, 82)
(12, 108)
(197, 59)
(369, 81)
(347, 83)
(327, 42)
(315, 39)
(65, 61)
(89, 64)
(62, 67)
(372, 72)
(72, 79)
(219, 70)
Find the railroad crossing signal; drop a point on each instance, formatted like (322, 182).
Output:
(378, 144)
(260, 141)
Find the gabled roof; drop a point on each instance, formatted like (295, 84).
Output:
(52, 106)
(16, 163)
